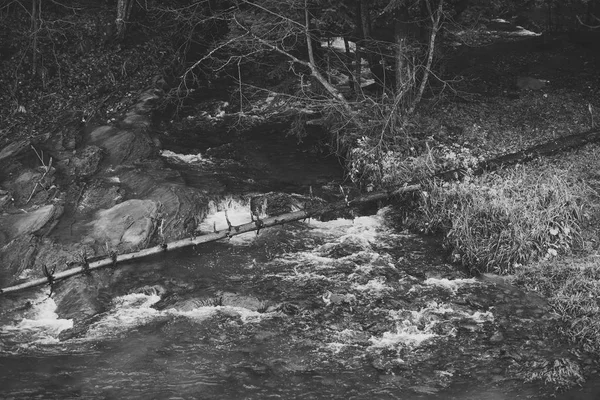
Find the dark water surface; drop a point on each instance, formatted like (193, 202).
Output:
(345, 309)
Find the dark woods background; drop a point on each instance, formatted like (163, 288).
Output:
(82, 56)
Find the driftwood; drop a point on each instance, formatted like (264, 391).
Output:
(256, 225)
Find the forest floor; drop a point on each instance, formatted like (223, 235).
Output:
(486, 115)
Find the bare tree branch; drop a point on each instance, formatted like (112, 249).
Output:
(435, 26)
(313, 69)
(589, 26)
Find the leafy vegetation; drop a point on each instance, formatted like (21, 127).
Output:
(497, 222)
(562, 373)
(573, 288)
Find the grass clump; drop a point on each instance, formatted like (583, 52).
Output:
(498, 221)
(561, 373)
(572, 288)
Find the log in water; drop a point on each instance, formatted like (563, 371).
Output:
(256, 225)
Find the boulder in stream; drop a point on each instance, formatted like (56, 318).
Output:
(32, 222)
(122, 146)
(127, 226)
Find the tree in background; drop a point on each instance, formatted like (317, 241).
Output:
(364, 92)
(291, 39)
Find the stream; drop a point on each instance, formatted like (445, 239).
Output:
(349, 308)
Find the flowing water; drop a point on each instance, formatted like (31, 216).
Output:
(345, 309)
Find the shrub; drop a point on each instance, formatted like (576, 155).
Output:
(374, 163)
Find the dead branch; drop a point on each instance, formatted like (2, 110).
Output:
(589, 26)
(47, 169)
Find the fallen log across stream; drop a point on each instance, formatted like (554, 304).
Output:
(545, 149)
(256, 225)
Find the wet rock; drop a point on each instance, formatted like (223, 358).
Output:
(133, 119)
(182, 303)
(424, 389)
(275, 203)
(178, 204)
(126, 226)
(236, 300)
(386, 364)
(101, 133)
(61, 256)
(330, 298)
(167, 302)
(470, 326)
(295, 364)
(500, 280)
(160, 83)
(87, 162)
(289, 309)
(127, 147)
(77, 331)
(264, 335)
(379, 364)
(5, 199)
(32, 186)
(122, 146)
(83, 322)
(34, 221)
(68, 132)
(497, 337)
(16, 257)
(395, 380)
(186, 302)
(138, 117)
(100, 194)
(348, 246)
(81, 297)
(14, 149)
(152, 290)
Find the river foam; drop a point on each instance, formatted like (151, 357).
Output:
(236, 210)
(39, 325)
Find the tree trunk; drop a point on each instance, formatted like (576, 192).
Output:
(36, 10)
(436, 17)
(348, 62)
(365, 20)
(365, 27)
(123, 13)
(311, 54)
(313, 65)
(359, 42)
(400, 54)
